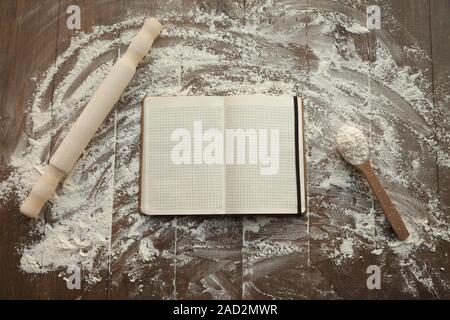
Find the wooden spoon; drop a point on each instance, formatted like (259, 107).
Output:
(354, 148)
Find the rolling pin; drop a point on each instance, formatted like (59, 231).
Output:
(81, 133)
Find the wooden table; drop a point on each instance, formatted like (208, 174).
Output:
(225, 263)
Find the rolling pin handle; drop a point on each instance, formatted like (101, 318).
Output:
(141, 44)
(42, 191)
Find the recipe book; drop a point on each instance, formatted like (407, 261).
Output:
(222, 155)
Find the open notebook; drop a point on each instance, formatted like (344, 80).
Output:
(222, 155)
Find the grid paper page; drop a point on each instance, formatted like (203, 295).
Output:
(169, 188)
(247, 190)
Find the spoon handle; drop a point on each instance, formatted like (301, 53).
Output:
(389, 209)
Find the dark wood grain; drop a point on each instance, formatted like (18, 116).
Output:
(408, 23)
(28, 33)
(440, 48)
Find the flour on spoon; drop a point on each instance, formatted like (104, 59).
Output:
(352, 145)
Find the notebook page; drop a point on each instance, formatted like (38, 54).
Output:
(262, 186)
(174, 181)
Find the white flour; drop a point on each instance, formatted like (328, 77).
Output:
(230, 57)
(352, 145)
